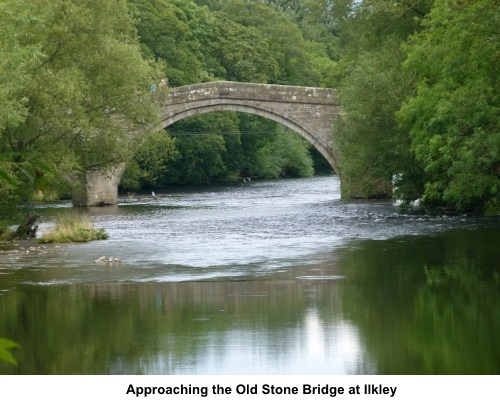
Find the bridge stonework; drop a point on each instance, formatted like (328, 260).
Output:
(309, 111)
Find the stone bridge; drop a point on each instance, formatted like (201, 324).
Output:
(309, 111)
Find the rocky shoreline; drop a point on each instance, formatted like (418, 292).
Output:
(20, 249)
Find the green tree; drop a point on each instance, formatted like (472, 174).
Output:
(454, 116)
(16, 60)
(179, 33)
(150, 164)
(373, 147)
(244, 54)
(201, 161)
(77, 96)
(372, 87)
(209, 148)
(283, 44)
(231, 40)
(287, 155)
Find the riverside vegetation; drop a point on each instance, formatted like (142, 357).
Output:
(72, 226)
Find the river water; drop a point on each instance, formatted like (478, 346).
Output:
(271, 277)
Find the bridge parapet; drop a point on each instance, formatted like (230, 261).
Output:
(251, 92)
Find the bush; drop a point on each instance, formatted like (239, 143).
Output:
(73, 227)
(5, 232)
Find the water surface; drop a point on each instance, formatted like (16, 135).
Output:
(277, 277)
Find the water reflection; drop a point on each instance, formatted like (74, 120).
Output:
(428, 305)
(182, 328)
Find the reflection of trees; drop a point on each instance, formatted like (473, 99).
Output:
(427, 305)
(61, 331)
(126, 328)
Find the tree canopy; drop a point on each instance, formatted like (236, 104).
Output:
(454, 116)
(71, 101)
(418, 83)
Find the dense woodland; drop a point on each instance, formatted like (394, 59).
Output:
(417, 81)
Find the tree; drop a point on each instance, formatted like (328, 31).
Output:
(16, 59)
(287, 155)
(179, 33)
(76, 97)
(150, 164)
(234, 40)
(372, 146)
(372, 87)
(454, 116)
(209, 147)
(283, 43)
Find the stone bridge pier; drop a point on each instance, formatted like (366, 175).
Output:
(309, 111)
(98, 188)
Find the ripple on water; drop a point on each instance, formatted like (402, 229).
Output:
(319, 278)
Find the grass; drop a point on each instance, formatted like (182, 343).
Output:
(73, 227)
(5, 233)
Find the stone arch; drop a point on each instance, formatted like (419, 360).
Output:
(219, 105)
(309, 111)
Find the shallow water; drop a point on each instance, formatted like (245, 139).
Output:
(276, 277)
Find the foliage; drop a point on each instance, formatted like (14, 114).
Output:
(5, 233)
(150, 164)
(73, 227)
(372, 87)
(244, 54)
(233, 40)
(71, 102)
(74, 79)
(372, 147)
(201, 159)
(282, 51)
(5, 355)
(286, 156)
(178, 33)
(454, 116)
(426, 116)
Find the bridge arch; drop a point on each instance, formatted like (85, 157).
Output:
(309, 111)
(301, 129)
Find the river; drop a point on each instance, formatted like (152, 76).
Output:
(263, 277)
